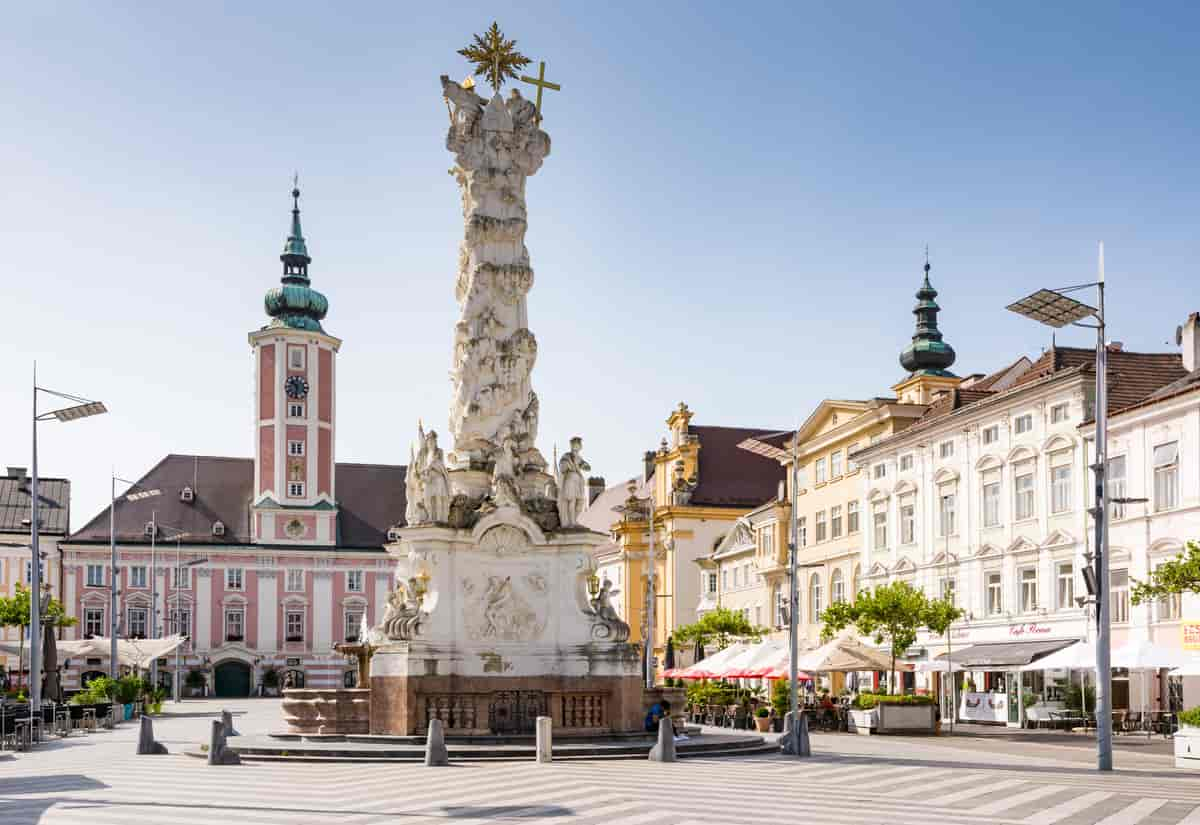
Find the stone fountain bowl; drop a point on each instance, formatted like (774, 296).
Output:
(327, 710)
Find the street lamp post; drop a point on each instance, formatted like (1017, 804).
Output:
(81, 408)
(179, 568)
(1057, 309)
(650, 596)
(798, 742)
(113, 617)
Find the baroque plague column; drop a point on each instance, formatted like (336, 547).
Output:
(498, 616)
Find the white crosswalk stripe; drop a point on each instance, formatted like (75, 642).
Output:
(1135, 813)
(1066, 809)
(1010, 801)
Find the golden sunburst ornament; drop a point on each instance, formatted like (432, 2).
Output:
(494, 57)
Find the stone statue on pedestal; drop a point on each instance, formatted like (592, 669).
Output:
(402, 615)
(572, 484)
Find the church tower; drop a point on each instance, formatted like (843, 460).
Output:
(927, 358)
(294, 408)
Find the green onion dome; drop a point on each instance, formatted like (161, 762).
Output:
(928, 354)
(295, 304)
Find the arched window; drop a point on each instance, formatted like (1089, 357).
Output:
(837, 587)
(855, 582)
(780, 602)
(815, 602)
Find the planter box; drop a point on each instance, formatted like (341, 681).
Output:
(907, 719)
(862, 721)
(1187, 747)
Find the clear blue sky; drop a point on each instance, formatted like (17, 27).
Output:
(733, 214)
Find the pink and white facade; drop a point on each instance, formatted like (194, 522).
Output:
(286, 547)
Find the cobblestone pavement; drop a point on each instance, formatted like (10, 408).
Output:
(97, 779)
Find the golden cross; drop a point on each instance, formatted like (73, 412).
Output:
(542, 83)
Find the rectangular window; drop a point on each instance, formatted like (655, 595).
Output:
(946, 449)
(906, 462)
(1023, 489)
(819, 471)
(835, 464)
(1166, 476)
(712, 582)
(296, 489)
(1059, 413)
(1023, 423)
(991, 498)
(181, 620)
(93, 622)
(835, 521)
(1115, 484)
(1119, 596)
(233, 578)
(295, 358)
(852, 517)
(820, 525)
(991, 434)
(353, 625)
(234, 624)
(724, 579)
(29, 572)
(1064, 592)
(1029, 590)
(295, 581)
(295, 448)
(737, 575)
(1060, 488)
(95, 575)
(947, 515)
(1169, 608)
(880, 519)
(781, 616)
(880, 471)
(851, 464)
(181, 578)
(948, 588)
(137, 623)
(758, 615)
(354, 581)
(295, 409)
(908, 521)
(137, 576)
(995, 595)
(802, 526)
(766, 542)
(294, 626)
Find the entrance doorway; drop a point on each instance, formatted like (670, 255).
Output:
(232, 679)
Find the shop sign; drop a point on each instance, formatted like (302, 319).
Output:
(293, 662)
(1191, 635)
(1029, 629)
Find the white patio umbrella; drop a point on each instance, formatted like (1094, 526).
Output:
(1192, 668)
(1146, 655)
(1079, 656)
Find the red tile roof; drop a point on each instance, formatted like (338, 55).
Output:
(370, 500)
(734, 477)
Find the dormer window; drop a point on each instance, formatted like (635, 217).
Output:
(187, 494)
(218, 528)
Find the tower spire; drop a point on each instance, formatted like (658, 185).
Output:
(296, 304)
(927, 354)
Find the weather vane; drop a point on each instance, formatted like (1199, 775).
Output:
(494, 57)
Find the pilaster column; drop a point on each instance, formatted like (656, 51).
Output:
(322, 608)
(203, 608)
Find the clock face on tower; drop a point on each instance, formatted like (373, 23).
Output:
(296, 386)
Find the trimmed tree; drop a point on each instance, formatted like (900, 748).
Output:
(1171, 578)
(16, 611)
(721, 626)
(891, 613)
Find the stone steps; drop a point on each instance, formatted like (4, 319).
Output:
(411, 749)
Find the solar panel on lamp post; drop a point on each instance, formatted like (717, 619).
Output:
(1056, 309)
(82, 408)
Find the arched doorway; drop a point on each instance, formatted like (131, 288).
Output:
(232, 678)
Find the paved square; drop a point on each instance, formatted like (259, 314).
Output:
(990, 780)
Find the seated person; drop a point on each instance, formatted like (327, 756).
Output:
(657, 711)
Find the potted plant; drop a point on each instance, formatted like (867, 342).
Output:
(781, 702)
(127, 691)
(762, 719)
(1187, 740)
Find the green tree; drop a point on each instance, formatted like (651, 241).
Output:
(1179, 575)
(891, 613)
(16, 611)
(721, 625)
